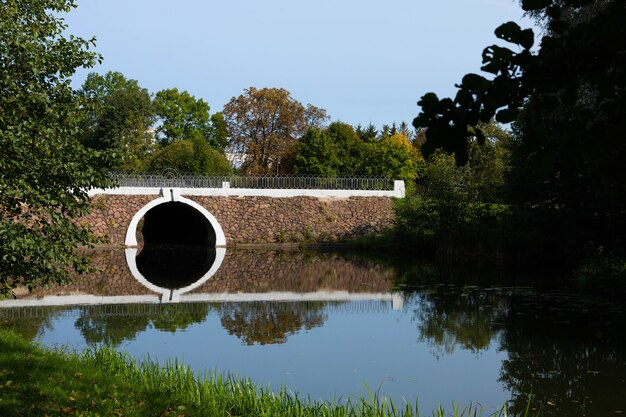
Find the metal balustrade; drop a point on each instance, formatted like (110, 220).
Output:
(241, 182)
(158, 181)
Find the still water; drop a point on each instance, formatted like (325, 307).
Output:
(331, 326)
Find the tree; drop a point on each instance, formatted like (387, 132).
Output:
(263, 125)
(317, 154)
(342, 150)
(119, 116)
(332, 151)
(220, 130)
(208, 160)
(190, 157)
(488, 164)
(351, 150)
(392, 157)
(568, 102)
(457, 210)
(315, 116)
(45, 172)
(406, 131)
(368, 134)
(182, 116)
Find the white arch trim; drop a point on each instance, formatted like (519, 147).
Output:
(169, 195)
(171, 295)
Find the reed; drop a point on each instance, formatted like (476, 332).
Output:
(214, 393)
(39, 381)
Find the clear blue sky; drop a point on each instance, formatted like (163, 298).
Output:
(362, 60)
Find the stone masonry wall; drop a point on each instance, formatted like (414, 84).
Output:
(259, 219)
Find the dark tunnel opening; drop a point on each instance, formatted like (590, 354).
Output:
(177, 224)
(179, 246)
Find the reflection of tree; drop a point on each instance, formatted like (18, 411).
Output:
(568, 352)
(572, 359)
(123, 322)
(30, 322)
(270, 322)
(173, 317)
(109, 329)
(448, 318)
(415, 275)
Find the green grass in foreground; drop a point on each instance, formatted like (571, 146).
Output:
(102, 382)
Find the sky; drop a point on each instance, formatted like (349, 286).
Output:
(363, 61)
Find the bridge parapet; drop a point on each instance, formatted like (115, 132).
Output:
(251, 215)
(290, 186)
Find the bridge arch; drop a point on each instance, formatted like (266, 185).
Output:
(169, 196)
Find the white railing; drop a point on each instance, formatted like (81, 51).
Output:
(242, 182)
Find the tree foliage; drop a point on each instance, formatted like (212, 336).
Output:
(190, 157)
(350, 149)
(459, 210)
(181, 116)
(220, 130)
(317, 154)
(340, 150)
(263, 125)
(568, 101)
(45, 172)
(336, 150)
(393, 157)
(489, 164)
(368, 133)
(119, 116)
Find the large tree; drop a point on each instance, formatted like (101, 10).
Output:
(192, 156)
(568, 100)
(350, 148)
(392, 157)
(45, 171)
(263, 126)
(336, 150)
(118, 116)
(317, 154)
(182, 116)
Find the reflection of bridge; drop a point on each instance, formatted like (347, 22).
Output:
(241, 210)
(74, 306)
(233, 276)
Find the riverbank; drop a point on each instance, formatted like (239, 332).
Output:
(35, 381)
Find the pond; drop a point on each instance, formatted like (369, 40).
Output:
(331, 326)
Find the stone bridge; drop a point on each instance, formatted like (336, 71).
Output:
(227, 216)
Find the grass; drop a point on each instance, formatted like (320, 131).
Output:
(35, 381)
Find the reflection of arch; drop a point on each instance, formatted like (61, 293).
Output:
(169, 195)
(174, 266)
(167, 294)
